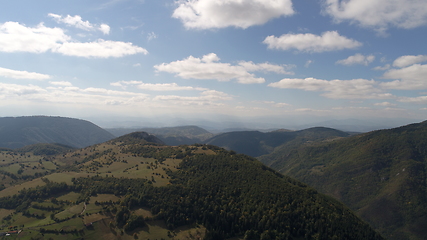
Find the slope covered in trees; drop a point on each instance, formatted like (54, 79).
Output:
(227, 194)
(16, 132)
(380, 174)
(255, 143)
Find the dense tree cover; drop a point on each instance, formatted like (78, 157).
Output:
(45, 149)
(381, 174)
(228, 193)
(255, 143)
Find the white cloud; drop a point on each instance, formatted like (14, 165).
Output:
(208, 67)
(15, 37)
(307, 42)
(61, 83)
(357, 59)
(385, 104)
(408, 60)
(418, 100)
(266, 67)
(382, 68)
(379, 14)
(9, 73)
(409, 78)
(100, 48)
(275, 104)
(205, 14)
(77, 22)
(13, 90)
(209, 97)
(104, 28)
(308, 63)
(155, 86)
(336, 89)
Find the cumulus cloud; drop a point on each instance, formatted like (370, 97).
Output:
(209, 67)
(76, 21)
(409, 78)
(15, 37)
(408, 60)
(307, 42)
(100, 48)
(336, 89)
(379, 14)
(205, 14)
(9, 73)
(155, 86)
(357, 59)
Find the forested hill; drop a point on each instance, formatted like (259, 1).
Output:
(16, 132)
(255, 143)
(130, 188)
(380, 174)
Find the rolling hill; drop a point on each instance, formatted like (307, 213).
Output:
(16, 132)
(381, 175)
(133, 188)
(255, 143)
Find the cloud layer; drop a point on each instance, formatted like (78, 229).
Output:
(9, 73)
(209, 67)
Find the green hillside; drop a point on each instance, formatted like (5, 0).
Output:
(16, 132)
(129, 188)
(381, 175)
(255, 143)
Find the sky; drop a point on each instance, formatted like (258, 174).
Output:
(165, 62)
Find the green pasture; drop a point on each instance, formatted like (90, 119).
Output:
(16, 188)
(104, 198)
(71, 196)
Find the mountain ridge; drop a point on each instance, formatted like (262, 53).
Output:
(18, 132)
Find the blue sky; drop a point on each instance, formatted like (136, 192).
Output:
(270, 61)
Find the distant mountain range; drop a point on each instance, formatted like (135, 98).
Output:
(255, 143)
(16, 132)
(173, 136)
